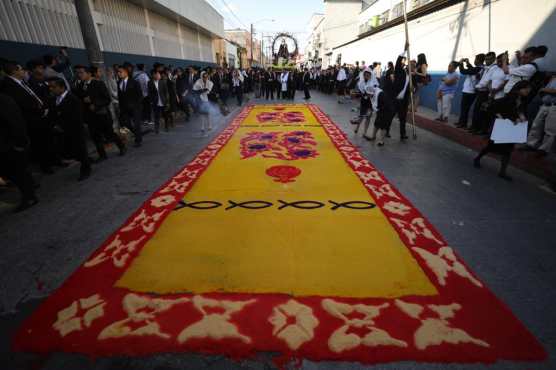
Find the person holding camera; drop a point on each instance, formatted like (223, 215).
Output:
(473, 75)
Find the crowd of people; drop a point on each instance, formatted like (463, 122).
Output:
(51, 109)
(521, 90)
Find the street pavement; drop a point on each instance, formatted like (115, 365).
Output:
(504, 231)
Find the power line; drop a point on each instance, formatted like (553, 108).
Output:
(232, 12)
(232, 23)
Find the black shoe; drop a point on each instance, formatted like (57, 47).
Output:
(47, 170)
(388, 135)
(59, 163)
(405, 137)
(380, 143)
(100, 159)
(477, 163)
(123, 150)
(526, 148)
(25, 204)
(368, 138)
(540, 154)
(505, 177)
(84, 174)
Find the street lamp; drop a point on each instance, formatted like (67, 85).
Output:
(259, 21)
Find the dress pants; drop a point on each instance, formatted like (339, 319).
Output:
(76, 145)
(239, 95)
(306, 91)
(542, 135)
(157, 114)
(444, 105)
(42, 142)
(146, 114)
(480, 117)
(269, 92)
(400, 109)
(14, 165)
(100, 128)
(467, 100)
(130, 117)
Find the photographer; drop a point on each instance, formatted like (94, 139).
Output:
(473, 74)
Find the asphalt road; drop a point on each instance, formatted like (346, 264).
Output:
(505, 231)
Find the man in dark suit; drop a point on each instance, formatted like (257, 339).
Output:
(269, 82)
(222, 83)
(68, 115)
(159, 97)
(305, 82)
(190, 78)
(95, 98)
(130, 99)
(14, 142)
(181, 89)
(34, 111)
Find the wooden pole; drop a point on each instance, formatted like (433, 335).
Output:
(409, 70)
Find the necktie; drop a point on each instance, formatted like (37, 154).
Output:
(31, 92)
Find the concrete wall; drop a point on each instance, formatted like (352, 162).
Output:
(463, 30)
(123, 27)
(339, 25)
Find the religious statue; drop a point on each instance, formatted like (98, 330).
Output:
(283, 51)
(283, 56)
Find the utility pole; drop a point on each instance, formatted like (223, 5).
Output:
(88, 31)
(410, 74)
(251, 64)
(261, 54)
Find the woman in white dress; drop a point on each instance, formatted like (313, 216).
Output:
(203, 87)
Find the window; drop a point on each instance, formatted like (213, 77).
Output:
(418, 3)
(384, 17)
(397, 10)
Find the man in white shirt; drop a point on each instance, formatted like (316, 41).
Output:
(469, 94)
(521, 68)
(341, 78)
(446, 92)
(284, 84)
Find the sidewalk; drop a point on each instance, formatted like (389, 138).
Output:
(526, 161)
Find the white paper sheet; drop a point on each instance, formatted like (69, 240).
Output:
(506, 132)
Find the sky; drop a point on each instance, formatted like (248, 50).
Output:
(289, 15)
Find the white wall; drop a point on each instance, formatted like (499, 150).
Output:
(340, 23)
(31, 21)
(123, 27)
(452, 34)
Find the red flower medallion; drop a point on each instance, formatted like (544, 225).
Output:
(283, 174)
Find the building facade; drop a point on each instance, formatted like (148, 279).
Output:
(243, 38)
(340, 25)
(169, 31)
(444, 30)
(313, 52)
(226, 53)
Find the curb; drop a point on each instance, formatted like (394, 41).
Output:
(526, 161)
